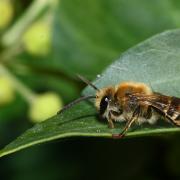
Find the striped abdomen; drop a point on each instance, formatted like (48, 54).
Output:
(169, 107)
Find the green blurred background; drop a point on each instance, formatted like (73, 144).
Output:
(43, 45)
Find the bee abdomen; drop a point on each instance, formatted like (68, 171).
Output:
(173, 112)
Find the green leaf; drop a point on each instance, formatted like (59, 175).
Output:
(89, 35)
(155, 62)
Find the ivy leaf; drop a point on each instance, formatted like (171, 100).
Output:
(155, 62)
(89, 35)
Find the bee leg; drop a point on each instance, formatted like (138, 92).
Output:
(176, 122)
(171, 117)
(110, 122)
(128, 124)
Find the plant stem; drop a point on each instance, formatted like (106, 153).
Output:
(27, 93)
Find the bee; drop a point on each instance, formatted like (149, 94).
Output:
(132, 102)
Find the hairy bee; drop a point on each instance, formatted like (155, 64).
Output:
(132, 102)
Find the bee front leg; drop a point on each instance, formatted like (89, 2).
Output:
(110, 121)
(128, 124)
(111, 124)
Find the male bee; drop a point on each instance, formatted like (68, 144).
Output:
(132, 102)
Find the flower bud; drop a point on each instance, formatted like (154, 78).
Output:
(7, 93)
(44, 106)
(6, 11)
(37, 39)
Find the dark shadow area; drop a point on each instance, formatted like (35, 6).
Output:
(94, 158)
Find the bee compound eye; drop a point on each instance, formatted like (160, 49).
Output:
(104, 104)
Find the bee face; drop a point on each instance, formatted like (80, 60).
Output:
(104, 99)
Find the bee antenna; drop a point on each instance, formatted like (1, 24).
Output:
(87, 82)
(75, 102)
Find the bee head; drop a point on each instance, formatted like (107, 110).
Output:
(103, 98)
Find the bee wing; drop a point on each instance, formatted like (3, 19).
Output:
(158, 101)
(166, 105)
